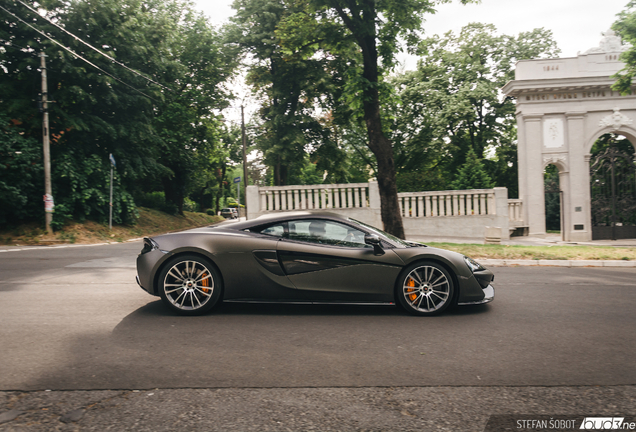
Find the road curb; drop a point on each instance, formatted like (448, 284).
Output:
(30, 248)
(557, 263)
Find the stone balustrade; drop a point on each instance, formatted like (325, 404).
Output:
(314, 197)
(464, 213)
(447, 203)
(515, 211)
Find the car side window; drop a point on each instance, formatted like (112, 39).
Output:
(325, 232)
(277, 230)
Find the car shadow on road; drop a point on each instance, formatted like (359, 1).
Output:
(264, 345)
(469, 310)
(157, 308)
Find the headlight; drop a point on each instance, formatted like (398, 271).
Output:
(473, 265)
(149, 245)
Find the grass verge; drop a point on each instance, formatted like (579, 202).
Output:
(556, 252)
(151, 222)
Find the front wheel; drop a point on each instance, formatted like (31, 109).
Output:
(425, 288)
(189, 285)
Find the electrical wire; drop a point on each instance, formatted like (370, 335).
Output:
(95, 49)
(77, 55)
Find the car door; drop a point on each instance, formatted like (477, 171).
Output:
(329, 260)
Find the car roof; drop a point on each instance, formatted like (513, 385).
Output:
(272, 218)
(281, 217)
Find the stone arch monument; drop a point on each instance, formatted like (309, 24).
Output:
(563, 106)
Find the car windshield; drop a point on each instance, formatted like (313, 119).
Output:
(385, 234)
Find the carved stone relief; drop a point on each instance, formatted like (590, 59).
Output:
(555, 158)
(610, 43)
(553, 136)
(616, 120)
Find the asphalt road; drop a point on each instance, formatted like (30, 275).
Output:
(74, 319)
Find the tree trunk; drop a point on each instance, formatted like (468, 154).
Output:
(173, 192)
(380, 144)
(277, 173)
(280, 174)
(387, 185)
(362, 24)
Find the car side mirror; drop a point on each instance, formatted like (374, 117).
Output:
(374, 240)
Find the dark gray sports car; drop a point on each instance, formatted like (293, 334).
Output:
(306, 258)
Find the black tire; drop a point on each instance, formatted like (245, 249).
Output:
(425, 288)
(189, 285)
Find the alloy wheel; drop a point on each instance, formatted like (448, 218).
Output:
(426, 289)
(188, 285)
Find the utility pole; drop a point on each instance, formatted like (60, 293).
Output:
(113, 164)
(244, 159)
(48, 197)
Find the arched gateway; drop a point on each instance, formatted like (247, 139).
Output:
(563, 107)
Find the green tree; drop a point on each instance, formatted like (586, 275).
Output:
(92, 115)
(344, 157)
(452, 103)
(229, 155)
(21, 174)
(625, 26)
(291, 88)
(552, 198)
(157, 122)
(374, 29)
(185, 123)
(472, 174)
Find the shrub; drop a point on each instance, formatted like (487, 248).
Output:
(21, 176)
(82, 189)
(189, 205)
(153, 200)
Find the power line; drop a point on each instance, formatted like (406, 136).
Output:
(77, 55)
(96, 49)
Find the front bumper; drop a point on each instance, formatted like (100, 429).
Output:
(489, 295)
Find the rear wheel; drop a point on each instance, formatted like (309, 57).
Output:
(189, 285)
(425, 288)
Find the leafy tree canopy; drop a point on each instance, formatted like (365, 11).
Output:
(373, 28)
(452, 104)
(625, 26)
(158, 122)
(472, 175)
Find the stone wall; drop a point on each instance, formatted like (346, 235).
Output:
(439, 213)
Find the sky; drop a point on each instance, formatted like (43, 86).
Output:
(577, 25)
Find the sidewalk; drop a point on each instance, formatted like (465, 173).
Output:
(548, 240)
(556, 263)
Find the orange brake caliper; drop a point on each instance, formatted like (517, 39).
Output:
(411, 283)
(205, 282)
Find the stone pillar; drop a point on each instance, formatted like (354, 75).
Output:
(501, 203)
(522, 166)
(578, 202)
(588, 214)
(533, 195)
(374, 195)
(253, 202)
(566, 219)
(374, 202)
